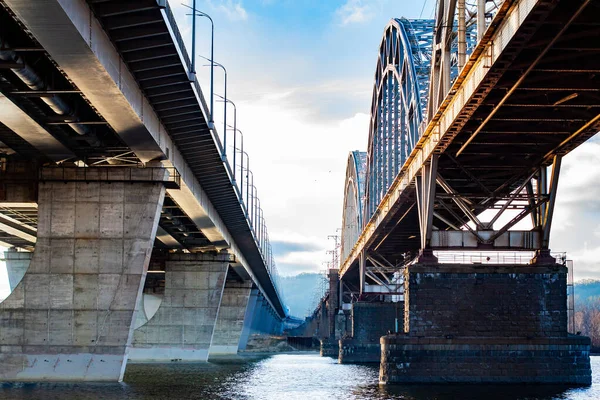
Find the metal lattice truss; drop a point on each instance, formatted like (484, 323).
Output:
(400, 97)
(398, 104)
(494, 134)
(352, 218)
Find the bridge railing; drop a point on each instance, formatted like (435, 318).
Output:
(250, 204)
(491, 257)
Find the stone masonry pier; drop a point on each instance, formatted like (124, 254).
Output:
(485, 324)
(370, 321)
(70, 317)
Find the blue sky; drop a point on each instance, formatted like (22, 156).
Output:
(301, 74)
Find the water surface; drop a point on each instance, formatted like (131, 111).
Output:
(303, 376)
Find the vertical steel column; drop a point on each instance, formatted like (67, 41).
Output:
(397, 163)
(390, 133)
(425, 190)
(480, 19)
(549, 212)
(362, 268)
(462, 35)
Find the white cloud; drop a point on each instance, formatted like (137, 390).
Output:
(355, 11)
(234, 11)
(576, 222)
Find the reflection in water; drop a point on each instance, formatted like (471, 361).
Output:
(303, 376)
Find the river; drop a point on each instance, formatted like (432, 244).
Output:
(304, 376)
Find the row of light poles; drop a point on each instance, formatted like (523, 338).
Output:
(254, 213)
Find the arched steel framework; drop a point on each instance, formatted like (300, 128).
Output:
(398, 104)
(354, 192)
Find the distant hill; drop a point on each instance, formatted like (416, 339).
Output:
(586, 291)
(299, 292)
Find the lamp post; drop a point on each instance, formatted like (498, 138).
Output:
(212, 64)
(197, 13)
(248, 172)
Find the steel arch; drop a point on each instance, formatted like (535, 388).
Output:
(398, 105)
(354, 192)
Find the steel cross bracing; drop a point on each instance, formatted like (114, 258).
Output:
(150, 49)
(524, 98)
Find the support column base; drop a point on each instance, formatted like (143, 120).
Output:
(65, 367)
(352, 351)
(167, 354)
(485, 360)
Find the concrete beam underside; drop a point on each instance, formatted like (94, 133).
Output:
(70, 317)
(183, 326)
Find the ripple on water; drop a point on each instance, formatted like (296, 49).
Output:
(303, 376)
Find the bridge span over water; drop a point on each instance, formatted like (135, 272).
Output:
(140, 232)
(471, 116)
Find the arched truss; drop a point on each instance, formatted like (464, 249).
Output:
(354, 192)
(398, 104)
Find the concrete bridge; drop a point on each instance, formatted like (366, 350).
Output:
(471, 116)
(139, 235)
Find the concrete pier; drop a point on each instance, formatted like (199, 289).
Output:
(249, 318)
(230, 319)
(17, 263)
(70, 318)
(485, 324)
(370, 321)
(183, 326)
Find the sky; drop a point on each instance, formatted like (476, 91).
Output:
(301, 75)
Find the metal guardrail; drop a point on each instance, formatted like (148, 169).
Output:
(259, 236)
(492, 257)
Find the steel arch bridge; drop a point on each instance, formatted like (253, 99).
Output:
(398, 114)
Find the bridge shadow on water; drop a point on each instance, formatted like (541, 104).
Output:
(304, 376)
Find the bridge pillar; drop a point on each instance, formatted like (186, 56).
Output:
(17, 263)
(370, 321)
(70, 317)
(251, 311)
(485, 324)
(230, 319)
(182, 327)
(329, 344)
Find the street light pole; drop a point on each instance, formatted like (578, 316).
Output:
(224, 155)
(197, 13)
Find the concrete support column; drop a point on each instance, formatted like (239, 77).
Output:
(230, 319)
(249, 318)
(70, 318)
(183, 326)
(17, 263)
(263, 324)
